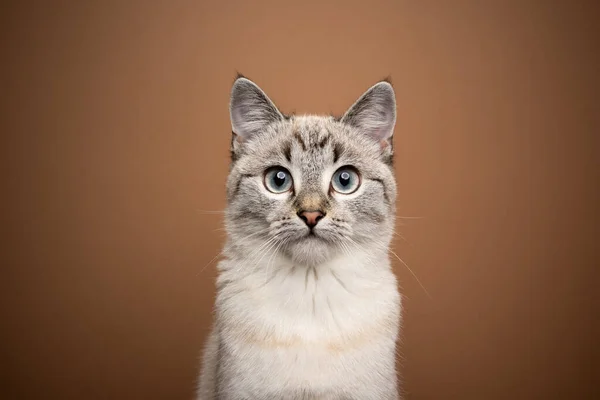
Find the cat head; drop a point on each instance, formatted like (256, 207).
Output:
(310, 187)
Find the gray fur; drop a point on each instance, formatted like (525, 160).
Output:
(287, 302)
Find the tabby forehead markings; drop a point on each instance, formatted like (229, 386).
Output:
(287, 151)
(300, 140)
(324, 141)
(337, 151)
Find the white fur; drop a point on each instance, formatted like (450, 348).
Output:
(353, 301)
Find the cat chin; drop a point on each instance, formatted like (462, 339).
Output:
(310, 251)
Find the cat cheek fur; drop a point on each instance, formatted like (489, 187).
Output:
(301, 315)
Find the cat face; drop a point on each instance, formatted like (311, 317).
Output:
(310, 187)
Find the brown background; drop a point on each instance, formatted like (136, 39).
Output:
(115, 135)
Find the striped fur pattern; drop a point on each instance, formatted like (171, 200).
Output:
(301, 312)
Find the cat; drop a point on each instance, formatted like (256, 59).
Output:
(307, 305)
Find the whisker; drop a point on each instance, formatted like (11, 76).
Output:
(241, 266)
(210, 262)
(273, 243)
(411, 271)
(399, 235)
(221, 252)
(403, 263)
(270, 261)
(261, 247)
(210, 212)
(254, 234)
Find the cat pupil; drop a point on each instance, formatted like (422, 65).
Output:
(280, 178)
(345, 178)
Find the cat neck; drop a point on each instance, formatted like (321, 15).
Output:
(353, 267)
(336, 298)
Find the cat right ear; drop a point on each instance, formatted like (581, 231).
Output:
(250, 109)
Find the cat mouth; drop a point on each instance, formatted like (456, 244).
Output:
(313, 237)
(311, 234)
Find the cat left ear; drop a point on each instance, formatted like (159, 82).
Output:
(250, 109)
(374, 113)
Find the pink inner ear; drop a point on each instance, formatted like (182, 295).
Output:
(384, 143)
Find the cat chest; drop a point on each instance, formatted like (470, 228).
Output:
(288, 366)
(321, 332)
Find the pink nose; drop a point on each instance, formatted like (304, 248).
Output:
(311, 218)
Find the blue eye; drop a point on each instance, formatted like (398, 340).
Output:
(345, 180)
(278, 180)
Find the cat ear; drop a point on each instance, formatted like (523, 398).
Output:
(374, 113)
(250, 109)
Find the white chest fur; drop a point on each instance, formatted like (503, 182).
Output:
(329, 330)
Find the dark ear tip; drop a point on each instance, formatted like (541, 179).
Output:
(388, 79)
(238, 76)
